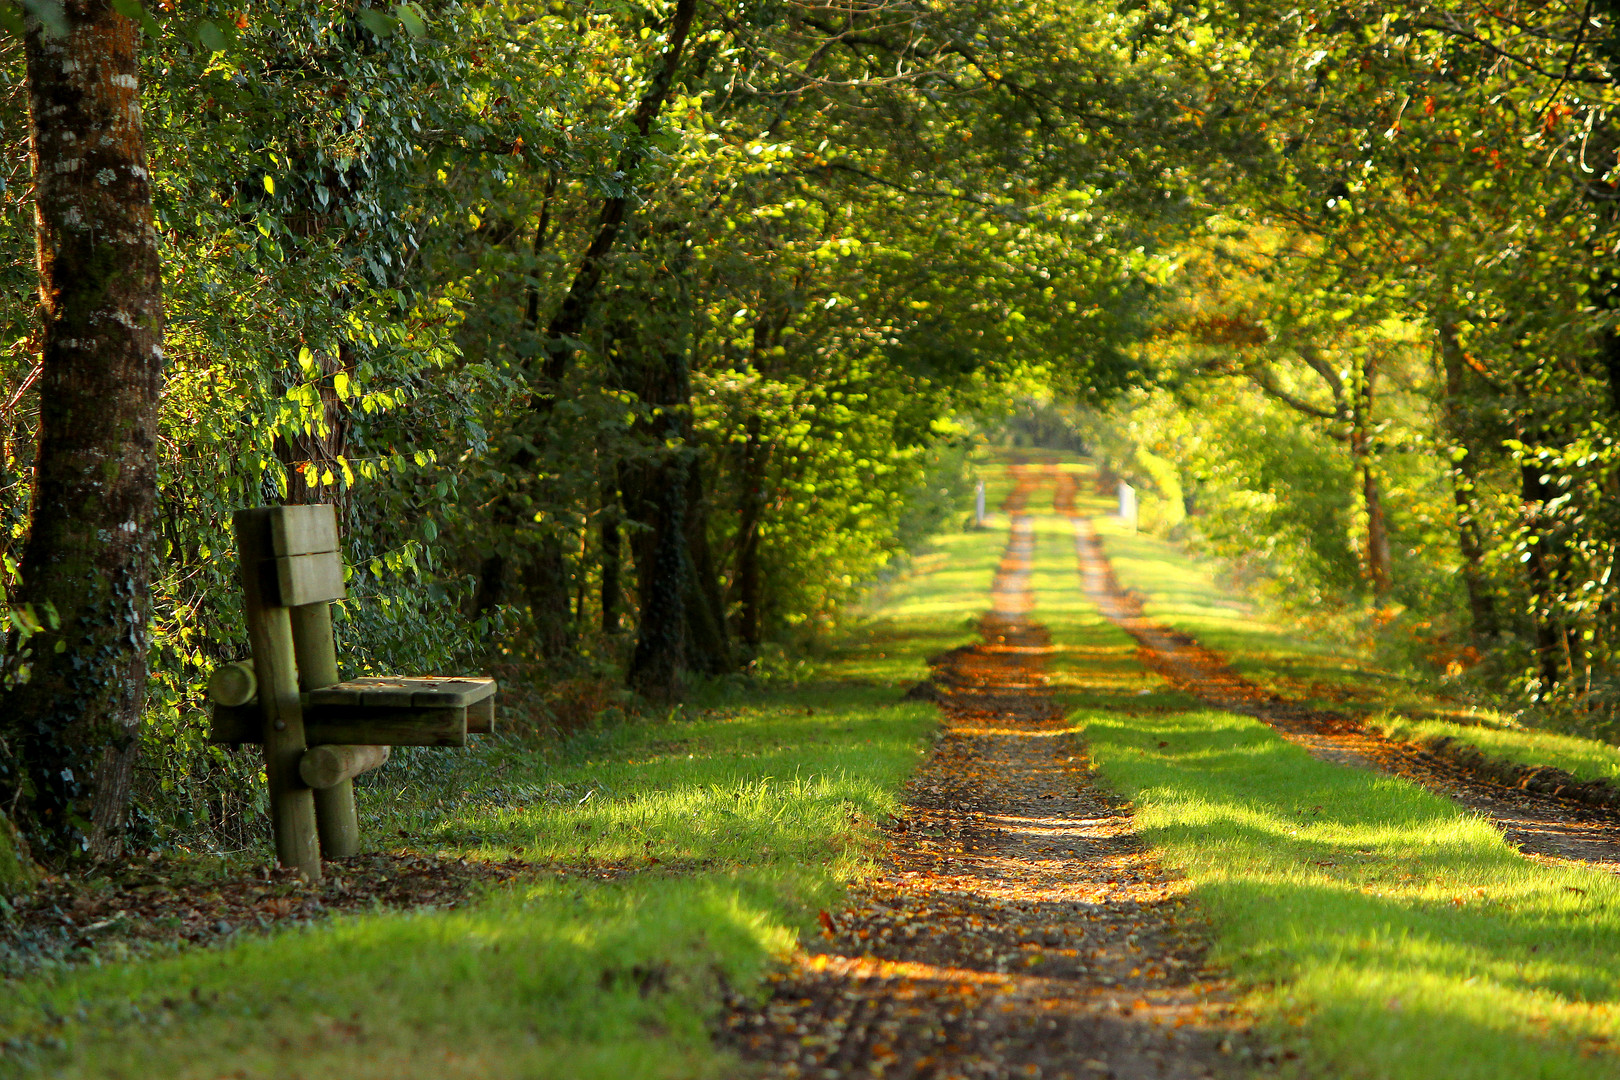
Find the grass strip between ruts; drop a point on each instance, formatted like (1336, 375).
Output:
(1384, 932)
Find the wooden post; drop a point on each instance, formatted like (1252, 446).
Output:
(1127, 505)
(233, 683)
(292, 804)
(336, 819)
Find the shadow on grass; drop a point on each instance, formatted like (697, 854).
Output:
(1405, 935)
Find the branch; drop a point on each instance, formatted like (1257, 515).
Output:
(566, 326)
(903, 189)
(1457, 31)
(1313, 356)
(1262, 378)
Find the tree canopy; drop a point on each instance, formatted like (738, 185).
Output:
(639, 336)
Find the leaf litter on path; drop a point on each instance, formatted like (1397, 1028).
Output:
(1017, 925)
(164, 902)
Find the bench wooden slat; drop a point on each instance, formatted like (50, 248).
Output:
(303, 530)
(310, 579)
(325, 725)
(317, 731)
(425, 692)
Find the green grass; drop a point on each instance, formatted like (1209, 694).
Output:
(1377, 930)
(1587, 759)
(673, 859)
(1380, 930)
(1184, 593)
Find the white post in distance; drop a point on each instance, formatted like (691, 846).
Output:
(1127, 505)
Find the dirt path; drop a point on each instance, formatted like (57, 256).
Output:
(1539, 825)
(1017, 927)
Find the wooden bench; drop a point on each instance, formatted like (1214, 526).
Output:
(318, 731)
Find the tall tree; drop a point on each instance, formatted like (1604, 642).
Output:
(71, 728)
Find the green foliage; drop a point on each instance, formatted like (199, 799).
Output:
(370, 215)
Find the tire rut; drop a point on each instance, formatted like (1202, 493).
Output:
(1540, 825)
(1017, 926)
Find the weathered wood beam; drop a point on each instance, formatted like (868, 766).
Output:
(279, 716)
(233, 683)
(323, 726)
(327, 767)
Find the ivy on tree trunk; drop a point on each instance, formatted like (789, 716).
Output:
(71, 728)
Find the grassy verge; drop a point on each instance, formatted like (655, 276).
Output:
(1182, 593)
(1586, 759)
(672, 859)
(1377, 930)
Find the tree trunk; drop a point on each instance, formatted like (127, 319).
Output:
(708, 646)
(1540, 575)
(652, 365)
(74, 725)
(308, 455)
(1362, 450)
(1464, 483)
(547, 593)
(750, 510)
(609, 524)
(658, 503)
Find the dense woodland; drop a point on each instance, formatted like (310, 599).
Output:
(634, 339)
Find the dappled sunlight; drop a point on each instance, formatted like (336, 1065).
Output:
(1322, 861)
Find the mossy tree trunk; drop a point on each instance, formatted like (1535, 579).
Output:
(72, 727)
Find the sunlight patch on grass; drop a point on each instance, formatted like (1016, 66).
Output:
(673, 859)
(1586, 759)
(1384, 931)
(554, 979)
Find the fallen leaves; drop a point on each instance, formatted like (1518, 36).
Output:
(167, 902)
(1016, 927)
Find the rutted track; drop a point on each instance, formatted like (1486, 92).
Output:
(1539, 824)
(1018, 927)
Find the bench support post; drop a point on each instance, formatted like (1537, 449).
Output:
(336, 819)
(292, 804)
